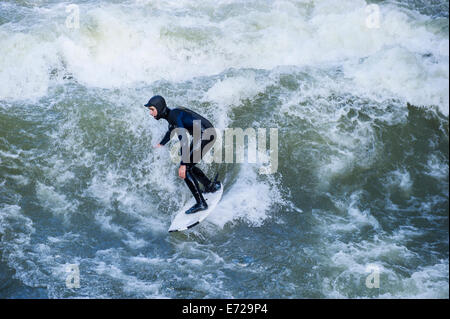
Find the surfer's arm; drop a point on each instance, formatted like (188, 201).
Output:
(184, 140)
(166, 137)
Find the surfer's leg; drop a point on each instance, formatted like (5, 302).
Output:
(201, 177)
(192, 183)
(209, 186)
(202, 146)
(198, 150)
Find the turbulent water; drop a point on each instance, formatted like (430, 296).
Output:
(359, 94)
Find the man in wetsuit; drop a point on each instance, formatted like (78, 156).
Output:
(184, 120)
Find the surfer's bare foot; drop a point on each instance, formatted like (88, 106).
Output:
(197, 208)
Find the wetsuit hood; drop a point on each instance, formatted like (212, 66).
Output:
(160, 104)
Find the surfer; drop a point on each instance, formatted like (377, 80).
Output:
(183, 118)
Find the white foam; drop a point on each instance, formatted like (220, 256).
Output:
(400, 178)
(248, 200)
(24, 65)
(19, 179)
(437, 168)
(349, 260)
(230, 92)
(55, 202)
(432, 281)
(398, 72)
(429, 282)
(129, 285)
(115, 47)
(16, 230)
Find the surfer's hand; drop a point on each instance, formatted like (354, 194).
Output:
(182, 171)
(157, 146)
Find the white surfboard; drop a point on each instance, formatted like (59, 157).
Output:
(183, 221)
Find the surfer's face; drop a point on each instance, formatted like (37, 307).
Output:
(153, 111)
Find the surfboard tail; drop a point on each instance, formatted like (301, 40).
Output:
(183, 221)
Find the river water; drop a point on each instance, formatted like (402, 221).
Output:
(357, 208)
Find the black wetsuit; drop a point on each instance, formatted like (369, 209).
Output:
(183, 118)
